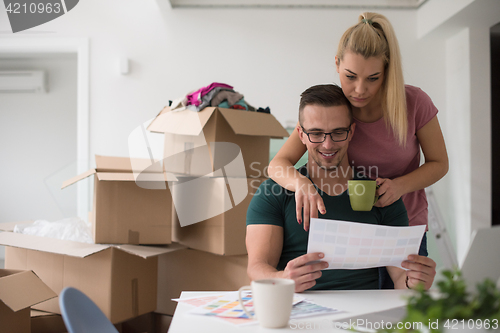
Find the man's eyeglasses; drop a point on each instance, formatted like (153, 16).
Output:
(337, 135)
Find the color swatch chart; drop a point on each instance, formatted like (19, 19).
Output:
(197, 301)
(228, 309)
(226, 306)
(204, 302)
(352, 245)
(309, 309)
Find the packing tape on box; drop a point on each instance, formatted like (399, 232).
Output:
(135, 297)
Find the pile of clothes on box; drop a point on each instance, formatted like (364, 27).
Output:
(215, 95)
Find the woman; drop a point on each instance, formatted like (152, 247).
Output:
(393, 121)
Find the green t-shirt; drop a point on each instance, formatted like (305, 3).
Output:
(272, 204)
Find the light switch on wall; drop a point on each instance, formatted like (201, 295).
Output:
(124, 66)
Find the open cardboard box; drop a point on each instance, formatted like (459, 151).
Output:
(193, 270)
(47, 322)
(210, 213)
(198, 143)
(132, 202)
(20, 289)
(120, 279)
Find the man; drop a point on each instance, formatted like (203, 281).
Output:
(277, 244)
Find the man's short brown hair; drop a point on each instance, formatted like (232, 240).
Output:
(324, 95)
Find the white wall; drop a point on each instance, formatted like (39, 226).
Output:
(269, 55)
(458, 130)
(454, 59)
(435, 12)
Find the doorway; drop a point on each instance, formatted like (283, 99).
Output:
(43, 141)
(495, 123)
(38, 132)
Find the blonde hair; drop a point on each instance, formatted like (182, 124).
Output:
(374, 36)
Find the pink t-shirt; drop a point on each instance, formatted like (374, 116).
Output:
(374, 150)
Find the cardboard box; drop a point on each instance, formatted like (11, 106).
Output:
(192, 270)
(147, 323)
(121, 280)
(47, 322)
(132, 202)
(162, 323)
(221, 205)
(142, 324)
(198, 143)
(18, 291)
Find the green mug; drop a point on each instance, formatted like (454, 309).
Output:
(362, 194)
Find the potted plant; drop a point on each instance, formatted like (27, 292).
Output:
(452, 308)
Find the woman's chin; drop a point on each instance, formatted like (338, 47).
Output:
(359, 104)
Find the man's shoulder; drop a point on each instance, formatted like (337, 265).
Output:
(268, 203)
(270, 187)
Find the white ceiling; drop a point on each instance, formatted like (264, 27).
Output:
(365, 4)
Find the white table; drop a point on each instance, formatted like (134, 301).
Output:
(353, 303)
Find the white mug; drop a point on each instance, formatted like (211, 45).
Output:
(272, 300)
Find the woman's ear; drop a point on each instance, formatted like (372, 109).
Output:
(337, 64)
(351, 132)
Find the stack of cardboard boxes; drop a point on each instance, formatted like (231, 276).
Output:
(214, 162)
(120, 278)
(219, 157)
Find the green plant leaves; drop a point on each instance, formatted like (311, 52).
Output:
(453, 302)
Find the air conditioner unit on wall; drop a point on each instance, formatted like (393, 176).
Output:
(22, 81)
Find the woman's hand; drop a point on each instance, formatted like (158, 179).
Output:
(308, 199)
(435, 167)
(389, 191)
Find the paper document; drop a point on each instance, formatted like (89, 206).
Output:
(352, 245)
